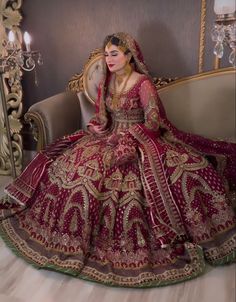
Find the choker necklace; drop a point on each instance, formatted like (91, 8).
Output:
(116, 96)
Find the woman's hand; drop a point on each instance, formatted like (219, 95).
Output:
(97, 129)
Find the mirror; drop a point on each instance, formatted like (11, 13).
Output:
(10, 93)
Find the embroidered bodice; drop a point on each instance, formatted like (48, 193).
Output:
(132, 109)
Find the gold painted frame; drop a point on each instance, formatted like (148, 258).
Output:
(202, 36)
(93, 71)
(10, 18)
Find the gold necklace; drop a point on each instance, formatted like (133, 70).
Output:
(116, 96)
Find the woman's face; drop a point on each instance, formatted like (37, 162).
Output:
(115, 58)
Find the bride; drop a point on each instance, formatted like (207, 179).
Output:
(131, 202)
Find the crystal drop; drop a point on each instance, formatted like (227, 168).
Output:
(30, 62)
(36, 82)
(214, 34)
(219, 50)
(20, 61)
(221, 35)
(232, 32)
(40, 60)
(232, 59)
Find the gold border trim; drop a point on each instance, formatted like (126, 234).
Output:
(212, 73)
(202, 36)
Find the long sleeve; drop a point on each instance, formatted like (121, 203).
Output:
(101, 117)
(95, 120)
(126, 149)
(149, 101)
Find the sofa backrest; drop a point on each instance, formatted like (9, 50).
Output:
(87, 109)
(203, 104)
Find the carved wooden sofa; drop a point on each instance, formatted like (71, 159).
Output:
(203, 104)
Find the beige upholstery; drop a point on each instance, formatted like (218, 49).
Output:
(55, 117)
(87, 109)
(203, 104)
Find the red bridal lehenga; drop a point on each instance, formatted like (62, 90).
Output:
(140, 206)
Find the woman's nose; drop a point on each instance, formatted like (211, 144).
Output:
(109, 59)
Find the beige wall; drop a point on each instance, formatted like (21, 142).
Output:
(65, 31)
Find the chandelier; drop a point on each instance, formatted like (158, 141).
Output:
(224, 31)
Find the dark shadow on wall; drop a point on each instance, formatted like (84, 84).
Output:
(162, 53)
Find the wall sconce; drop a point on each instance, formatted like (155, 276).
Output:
(224, 31)
(13, 62)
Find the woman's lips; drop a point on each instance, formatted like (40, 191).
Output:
(111, 65)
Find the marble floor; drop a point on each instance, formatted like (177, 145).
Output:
(19, 282)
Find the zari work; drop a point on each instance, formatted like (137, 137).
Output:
(140, 206)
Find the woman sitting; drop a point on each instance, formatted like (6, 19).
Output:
(131, 202)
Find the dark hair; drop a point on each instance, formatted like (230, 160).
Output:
(115, 41)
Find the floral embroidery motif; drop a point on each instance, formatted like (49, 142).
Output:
(130, 208)
(183, 162)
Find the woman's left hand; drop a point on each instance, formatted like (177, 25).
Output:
(97, 129)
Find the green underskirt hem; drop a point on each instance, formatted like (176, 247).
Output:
(227, 260)
(76, 274)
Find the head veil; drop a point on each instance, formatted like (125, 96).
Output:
(127, 42)
(206, 146)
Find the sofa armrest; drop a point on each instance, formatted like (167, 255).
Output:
(54, 117)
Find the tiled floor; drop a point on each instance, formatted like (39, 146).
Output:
(19, 282)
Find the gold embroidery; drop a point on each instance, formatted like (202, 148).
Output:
(152, 168)
(108, 221)
(131, 183)
(74, 223)
(152, 115)
(89, 152)
(108, 157)
(113, 183)
(202, 229)
(180, 161)
(90, 170)
(141, 240)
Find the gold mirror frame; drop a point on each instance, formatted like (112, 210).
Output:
(10, 18)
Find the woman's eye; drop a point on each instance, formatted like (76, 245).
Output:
(112, 55)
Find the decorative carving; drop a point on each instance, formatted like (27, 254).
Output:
(38, 128)
(159, 82)
(10, 18)
(90, 77)
(202, 36)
